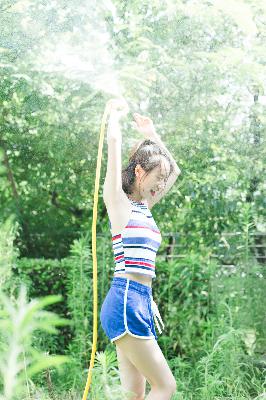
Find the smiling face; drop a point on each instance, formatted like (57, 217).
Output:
(150, 184)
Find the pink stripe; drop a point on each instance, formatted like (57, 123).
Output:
(140, 263)
(118, 257)
(116, 236)
(142, 227)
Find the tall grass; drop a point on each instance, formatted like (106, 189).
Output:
(20, 319)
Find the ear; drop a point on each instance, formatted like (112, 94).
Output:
(136, 170)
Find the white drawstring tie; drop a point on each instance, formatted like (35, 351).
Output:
(157, 316)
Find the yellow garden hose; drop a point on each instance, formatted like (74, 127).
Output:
(94, 254)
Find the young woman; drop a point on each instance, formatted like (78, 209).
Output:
(128, 309)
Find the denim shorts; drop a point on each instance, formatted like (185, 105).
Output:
(129, 308)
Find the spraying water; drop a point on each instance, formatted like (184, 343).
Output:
(81, 53)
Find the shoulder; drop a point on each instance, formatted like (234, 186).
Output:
(117, 200)
(119, 209)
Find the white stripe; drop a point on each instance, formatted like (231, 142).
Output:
(117, 337)
(157, 316)
(142, 253)
(145, 232)
(142, 271)
(125, 305)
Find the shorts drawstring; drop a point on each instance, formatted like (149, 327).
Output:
(156, 315)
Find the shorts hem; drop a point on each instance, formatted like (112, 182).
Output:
(132, 334)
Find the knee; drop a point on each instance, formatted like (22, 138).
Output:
(170, 386)
(137, 394)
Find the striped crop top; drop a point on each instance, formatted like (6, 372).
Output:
(136, 246)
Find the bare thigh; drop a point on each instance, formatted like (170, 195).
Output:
(131, 379)
(148, 359)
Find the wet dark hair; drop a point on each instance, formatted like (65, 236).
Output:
(148, 155)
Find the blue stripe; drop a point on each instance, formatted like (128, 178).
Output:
(140, 247)
(141, 240)
(119, 261)
(119, 254)
(118, 246)
(139, 266)
(139, 259)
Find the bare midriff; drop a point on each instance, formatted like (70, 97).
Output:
(145, 280)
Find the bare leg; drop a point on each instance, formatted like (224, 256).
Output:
(131, 379)
(148, 359)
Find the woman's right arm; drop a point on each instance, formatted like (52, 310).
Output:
(112, 188)
(113, 179)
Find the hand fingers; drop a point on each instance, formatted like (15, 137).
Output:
(116, 104)
(139, 117)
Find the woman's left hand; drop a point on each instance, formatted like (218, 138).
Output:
(117, 107)
(144, 125)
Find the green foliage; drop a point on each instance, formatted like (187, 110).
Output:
(185, 296)
(8, 252)
(46, 277)
(79, 298)
(198, 70)
(106, 381)
(224, 355)
(193, 68)
(19, 319)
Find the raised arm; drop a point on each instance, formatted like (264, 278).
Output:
(112, 188)
(145, 125)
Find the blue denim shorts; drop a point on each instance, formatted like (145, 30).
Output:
(129, 308)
